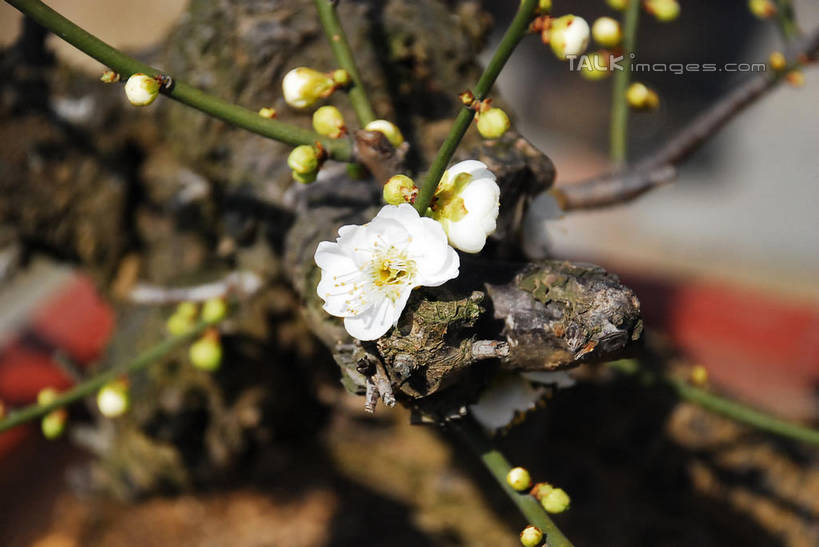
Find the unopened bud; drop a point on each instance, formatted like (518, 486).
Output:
(699, 375)
(46, 396)
(606, 32)
(467, 98)
(493, 123)
(568, 35)
(53, 423)
(206, 353)
(303, 86)
(518, 478)
(341, 77)
(543, 6)
(400, 189)
(304, 159)
(305, 178)
(595, 66)
(618, 5)
(328, 120)
(531, 536)
(663, 10)
(267, 112)
(764, 9)
(555, 501)
(109, 77)
(183, 319)
(777, 61)
(640, 97)
(214, 310)
(796, 78)
(389, 129)
(113, 399)
(141, 89)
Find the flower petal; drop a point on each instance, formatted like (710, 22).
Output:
(448, 270)
(374, 322)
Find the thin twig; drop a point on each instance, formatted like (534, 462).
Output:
(618, 147)
(338, 149)
(91, 385)
(516, 31)
(344, 56)
(721, 405)
(499, 467)
(659, 168)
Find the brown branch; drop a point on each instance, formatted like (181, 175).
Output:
(660, 168)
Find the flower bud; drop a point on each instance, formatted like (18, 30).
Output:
(568, 35)
(764, 9)
(304, 159)
(305, 178)
(341, 77)
(493, 123)
(46, 396)
(389, 129)
(606, 32)
(518, 478)
(618, 5)
(663, 10)
(109, 77)
(795, 78)
(328, 120)
(178, 325)
(595, 66)
(400, 189)
(113, 399)
(303, 87)
(267, 112)
(141, 89)
(214, 310)
(206, 353)
(543, 6)
(777, 61)
(640, 97)
(531, 536)
(699, 375)
(556, 501)
(53, 423)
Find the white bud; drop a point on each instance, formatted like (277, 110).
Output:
(569, 35)
(303, 87)
(141, 89)
(113, 399)
(606, 32)
(389, 129)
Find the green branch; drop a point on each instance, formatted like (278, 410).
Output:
(786, 20)
(720, 405)
(338, 149)
(92, 385)
(499, 467)
(516, 31)
(618, 147)
(346, 60)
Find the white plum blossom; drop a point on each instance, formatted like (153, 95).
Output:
(466, 204)
(302, 87)
(368, 273)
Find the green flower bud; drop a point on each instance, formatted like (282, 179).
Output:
(640, 97)
(663, 10)
(141, 89)
(53, 423)
(518, 478)
(400, 189)
(618, 5)
(304, 159)
(113, 399)
(109, 77)
(595, 66)
(556, 501)
(606, 32)
(46, 396)
(764, 9)
(187, 309)
(267, 112)
(178, 324)
(493, 123)
(531, 536)
(328, 120)
(306, 178)
(389, 129)
(214, 310)
(568, 35)
(302, 87)
(341, 77)
(543, 6)
(206, 353)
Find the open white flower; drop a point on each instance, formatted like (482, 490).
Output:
(368, 273)
(466, 204)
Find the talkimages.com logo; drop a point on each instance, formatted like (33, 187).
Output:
(601, 63)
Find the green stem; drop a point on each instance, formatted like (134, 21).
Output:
(618, 148)
(338, 149)
(90, 386)
(720, 405)
(346, 60)
(499, 467)
(786, 20)
(516, 31)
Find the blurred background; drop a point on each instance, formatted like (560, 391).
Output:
(725, 262)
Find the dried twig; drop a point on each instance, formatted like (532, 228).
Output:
(659, 168)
